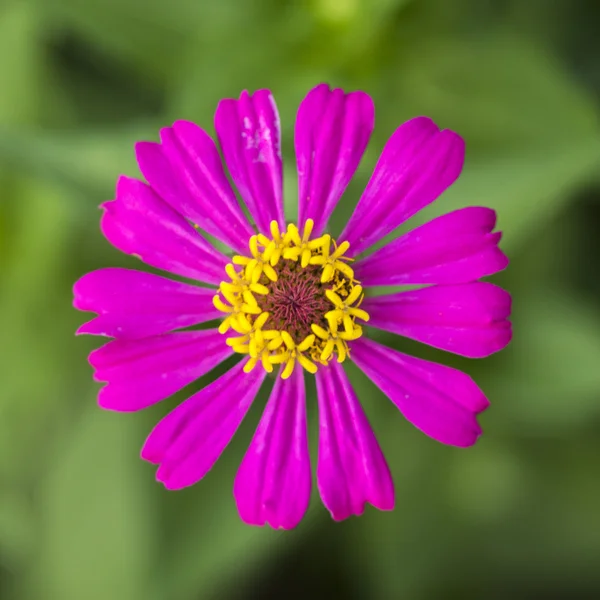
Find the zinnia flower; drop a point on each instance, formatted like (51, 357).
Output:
(291, 298)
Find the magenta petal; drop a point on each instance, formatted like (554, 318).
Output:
(187, 172)
(454, 248)
(332, 132)
(468, 319)
(417, 164)
(190, 439)
(440, 401)
(131, 304)
(142, 372)
(351, 469)
(138, 222)
(274, 480)
(250, 136)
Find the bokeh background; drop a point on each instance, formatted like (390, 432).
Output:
(518, 515)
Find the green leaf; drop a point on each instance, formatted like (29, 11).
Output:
(149, 35)
(86, 162)
(20, 63)
(17, 529)
(351, 31)
(499, 91)
(34, 255)
(526, 188)
(98, 537)
(227, 56)
(550, 381)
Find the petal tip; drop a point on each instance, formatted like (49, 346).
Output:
(88, 329)
(147, 454)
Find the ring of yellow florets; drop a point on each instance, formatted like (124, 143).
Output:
(292, 300)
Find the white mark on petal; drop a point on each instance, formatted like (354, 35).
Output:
(277, 143)
(254, 142)
(262, 137)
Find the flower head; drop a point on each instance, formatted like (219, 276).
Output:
(290, 298)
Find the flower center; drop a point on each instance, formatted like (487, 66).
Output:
(294, 299)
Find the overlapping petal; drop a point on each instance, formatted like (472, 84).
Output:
(138, 222)
(351, 468)
(274, 480)
(187, 172)
(454, 248)
(140, 373)
(417, 164)
(332, 132)
(250, 136)
(190, 439)
(469, 319)
(132, 304)
(440, 401)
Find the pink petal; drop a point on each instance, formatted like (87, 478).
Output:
(440, 401)
(190, 439)
(468, 319)
(351, 469)
(274, 480)
(332, 132)
(250, 136)
(417, 164)
(142, 372)
(454, 248)
(187, 172)
(138, 222)
(131, 304)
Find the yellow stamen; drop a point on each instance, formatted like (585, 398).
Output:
(334, 262)
(260, 335)
(304, 247)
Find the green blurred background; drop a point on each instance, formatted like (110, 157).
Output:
(518, 515)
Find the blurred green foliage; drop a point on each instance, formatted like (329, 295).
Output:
(81, 516)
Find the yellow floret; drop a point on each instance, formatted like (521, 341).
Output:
(241, 298)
